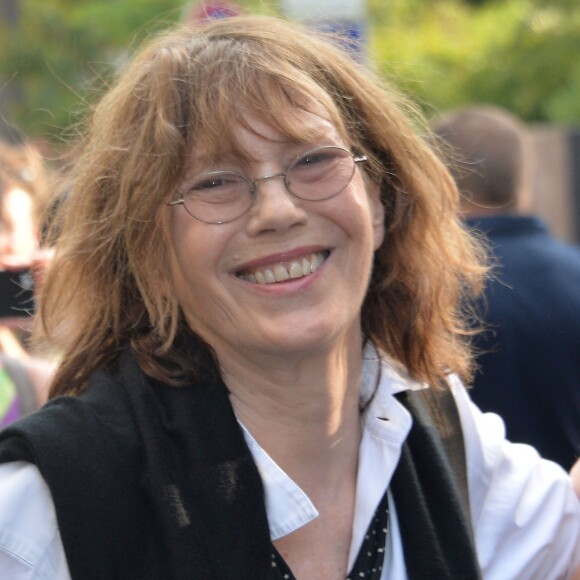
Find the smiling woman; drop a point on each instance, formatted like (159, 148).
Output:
(257, 298)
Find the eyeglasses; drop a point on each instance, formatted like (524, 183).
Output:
(219, 197)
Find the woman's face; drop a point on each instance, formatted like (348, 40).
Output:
(217, 269)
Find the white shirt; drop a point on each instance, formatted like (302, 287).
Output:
(525, 514)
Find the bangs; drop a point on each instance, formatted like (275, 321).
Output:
(237, 84)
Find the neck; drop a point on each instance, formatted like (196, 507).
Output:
(303, 410)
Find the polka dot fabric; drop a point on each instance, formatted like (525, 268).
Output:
(369, 562)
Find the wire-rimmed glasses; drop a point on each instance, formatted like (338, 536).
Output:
(219, 197)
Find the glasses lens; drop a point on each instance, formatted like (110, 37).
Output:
(320, 173)
(218, 197)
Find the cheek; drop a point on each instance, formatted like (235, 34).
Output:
(194, 255)
(190, 287)
(378, 235)
(195, 252)
(377, 213)
(178, 238)
(366, 196)
(183, 261)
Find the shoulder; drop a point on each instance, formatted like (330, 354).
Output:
(525, 513)
(70, 438)
(88, 451)
(512, 234)
(30, 544)
(65, 424)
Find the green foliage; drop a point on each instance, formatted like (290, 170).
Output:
(64, 52)
(61, 48)
(520, 54)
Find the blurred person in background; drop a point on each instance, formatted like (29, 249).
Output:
(24, 378)
(530, 354)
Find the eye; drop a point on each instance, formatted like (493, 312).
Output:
(318, 165)
(208, 183)
(317, 157)
(218, 187)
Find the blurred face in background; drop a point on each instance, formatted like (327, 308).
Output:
(18, 234)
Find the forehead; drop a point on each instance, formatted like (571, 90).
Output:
(231, 92)
(286, 127)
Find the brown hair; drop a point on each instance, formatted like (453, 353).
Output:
(108, 287)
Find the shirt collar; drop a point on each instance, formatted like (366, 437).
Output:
(386, 422)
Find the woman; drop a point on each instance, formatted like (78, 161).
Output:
(258, 260)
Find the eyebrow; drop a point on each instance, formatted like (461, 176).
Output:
(236, 155)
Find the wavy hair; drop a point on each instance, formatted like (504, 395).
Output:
(109, 287)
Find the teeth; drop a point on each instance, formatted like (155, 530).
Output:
(316, 262)
(286, 271)
(281, 273)
(295, 270)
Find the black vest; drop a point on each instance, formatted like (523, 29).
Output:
(157, 483)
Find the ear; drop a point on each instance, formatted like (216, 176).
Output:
(377, 211)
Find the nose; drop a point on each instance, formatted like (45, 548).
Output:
(274, 209)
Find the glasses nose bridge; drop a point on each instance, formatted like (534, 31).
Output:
(266, 177)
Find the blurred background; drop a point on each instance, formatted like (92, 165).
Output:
(57, 57)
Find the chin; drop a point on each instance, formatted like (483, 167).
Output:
(307, 340)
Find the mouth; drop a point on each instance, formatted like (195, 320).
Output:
(283, 271)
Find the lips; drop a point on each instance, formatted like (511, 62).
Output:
(283, 271)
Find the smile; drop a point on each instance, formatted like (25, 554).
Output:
(284, 271)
